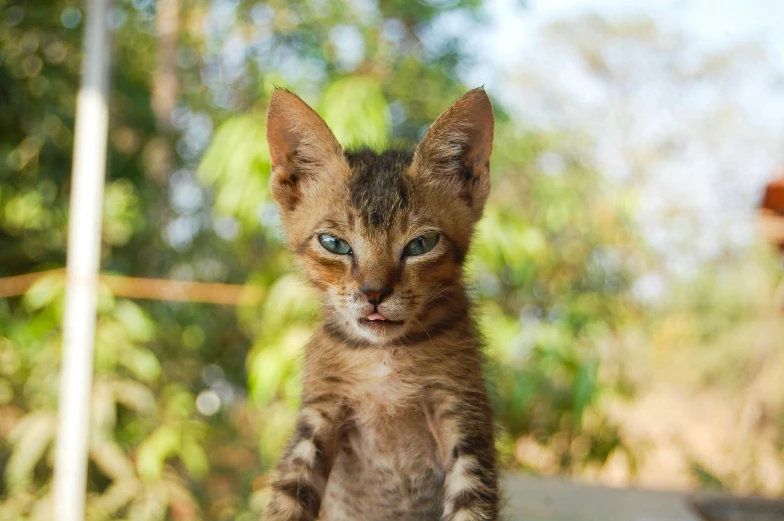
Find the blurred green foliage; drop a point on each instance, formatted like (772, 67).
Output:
(192, 403)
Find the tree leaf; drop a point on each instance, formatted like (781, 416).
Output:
(31, 437)
(153, 452)
(44, 291)
(356, 110)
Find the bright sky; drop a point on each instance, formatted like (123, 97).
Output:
(712, 24)
(721, 160)
(716, 22)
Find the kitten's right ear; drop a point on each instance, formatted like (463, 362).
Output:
(301, 145)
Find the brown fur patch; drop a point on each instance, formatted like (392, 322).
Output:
(379, 186)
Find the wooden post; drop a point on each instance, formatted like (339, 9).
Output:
(83, 262)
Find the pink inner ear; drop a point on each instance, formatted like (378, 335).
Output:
(291, 126)
(466, 126)
(479, 147)
(279, 147)
(301, 147)
(455, 152)
(479, 123)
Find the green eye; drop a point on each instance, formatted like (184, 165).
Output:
(422, 244)
(334, 244)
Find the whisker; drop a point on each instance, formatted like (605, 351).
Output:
(438, 295)
(423, 329)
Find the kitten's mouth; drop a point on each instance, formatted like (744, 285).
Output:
(378, 320)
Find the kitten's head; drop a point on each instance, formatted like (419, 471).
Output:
(382, 234)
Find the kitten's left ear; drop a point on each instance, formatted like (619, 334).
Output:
(456, 149)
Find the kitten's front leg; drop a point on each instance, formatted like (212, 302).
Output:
(462, 426)
(302, 472)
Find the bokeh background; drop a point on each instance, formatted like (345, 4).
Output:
(627, 295)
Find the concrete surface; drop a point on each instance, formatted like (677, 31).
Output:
(542, 499)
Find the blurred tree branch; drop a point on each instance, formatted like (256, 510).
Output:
(165, 84)
(153, 289)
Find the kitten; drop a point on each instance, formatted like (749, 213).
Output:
(395, 422)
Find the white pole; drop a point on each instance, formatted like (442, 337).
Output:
(83, 262)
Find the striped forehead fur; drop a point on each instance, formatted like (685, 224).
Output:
(379, 186)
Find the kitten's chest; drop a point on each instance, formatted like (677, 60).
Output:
(385, 471)
(387, 424)
(382, 383)
(387, 468)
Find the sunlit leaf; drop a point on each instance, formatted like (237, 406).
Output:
(139, 326)
(112, 460)
(141, 362)
(288, 300)
(180, 403)
(267, 371)
(119, 494)
(194, 457)
(121, 212)
(355, 108)
(150, 507)
(6, 391)
(103, 414)
(275, 430)
(237, 164)
(134, 395)
(31, 438)
(153, 452)
(584, 387)
(44, 290)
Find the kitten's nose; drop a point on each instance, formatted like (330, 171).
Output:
(375, 296)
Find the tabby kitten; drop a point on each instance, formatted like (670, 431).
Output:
(395, 422)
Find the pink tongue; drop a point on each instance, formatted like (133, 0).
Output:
(376, 316)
